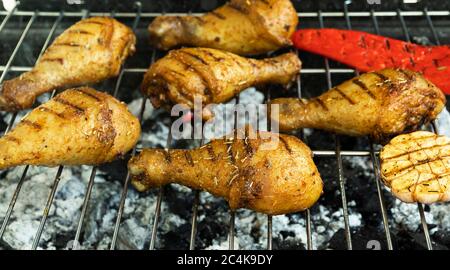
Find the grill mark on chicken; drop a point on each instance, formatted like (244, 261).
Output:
(50, 111)
(417, 150)
(167, 156)
(408, 76)
(194, 56)
(211, 55)
(381, 76)
(237, 62)
(11, 138)
(230, 154)
(248, 147)
(82, 91)
(320, 102)
(238, 8)
(422, 162)
(31, 124)
(218, 15)
(185, 95)
(188, 157)
(345, 96)
(188, 66)
(68, 104)
(67, 44)
(59, 60)
(81, 32)
(265, 2)
(90, 22)
(199, 19)
(212, 155)
(177, 73)
(286, 144)
(364, 87)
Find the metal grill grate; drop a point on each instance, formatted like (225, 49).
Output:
(371, 16)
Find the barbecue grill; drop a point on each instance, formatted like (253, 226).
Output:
(197, 220)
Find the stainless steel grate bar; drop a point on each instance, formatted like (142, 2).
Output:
(348, 237)
(87, 196)
(159, 200)
(194, 219)
(309, 241)
(143, 70)
(194, 206)
(435, 129)
(322, 153)
(56, 181)
(269, 232)
(156, 217)
(231, 230)
(48, 205)
(268, 98)
(232, 211)
(414, 13)
(23, 176)
(13, 201)
(431, 26)
(419, 205)
(22, 179)
(309, 245)
(6, 19)
(19, 44)
(376, 168)
(123, 196)
(375, 164)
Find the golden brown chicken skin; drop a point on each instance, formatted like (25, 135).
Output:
(214, 76)
(89, 51)
(78, 126)
(241, 26)
(380, 104)
(272, 176)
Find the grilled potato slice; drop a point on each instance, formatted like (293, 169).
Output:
(416, 167)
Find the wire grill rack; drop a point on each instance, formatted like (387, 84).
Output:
(371, 16)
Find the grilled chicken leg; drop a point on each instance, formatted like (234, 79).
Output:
(89, 51)
(78, 126)
(214, 75)
(416, 167)
(381, 104)
(240, 26)
(273, 175)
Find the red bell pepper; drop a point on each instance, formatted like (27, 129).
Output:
(368, 52)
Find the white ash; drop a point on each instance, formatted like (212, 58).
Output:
(363, 164)
(135, 108)
(224, 123)
(443, 123)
